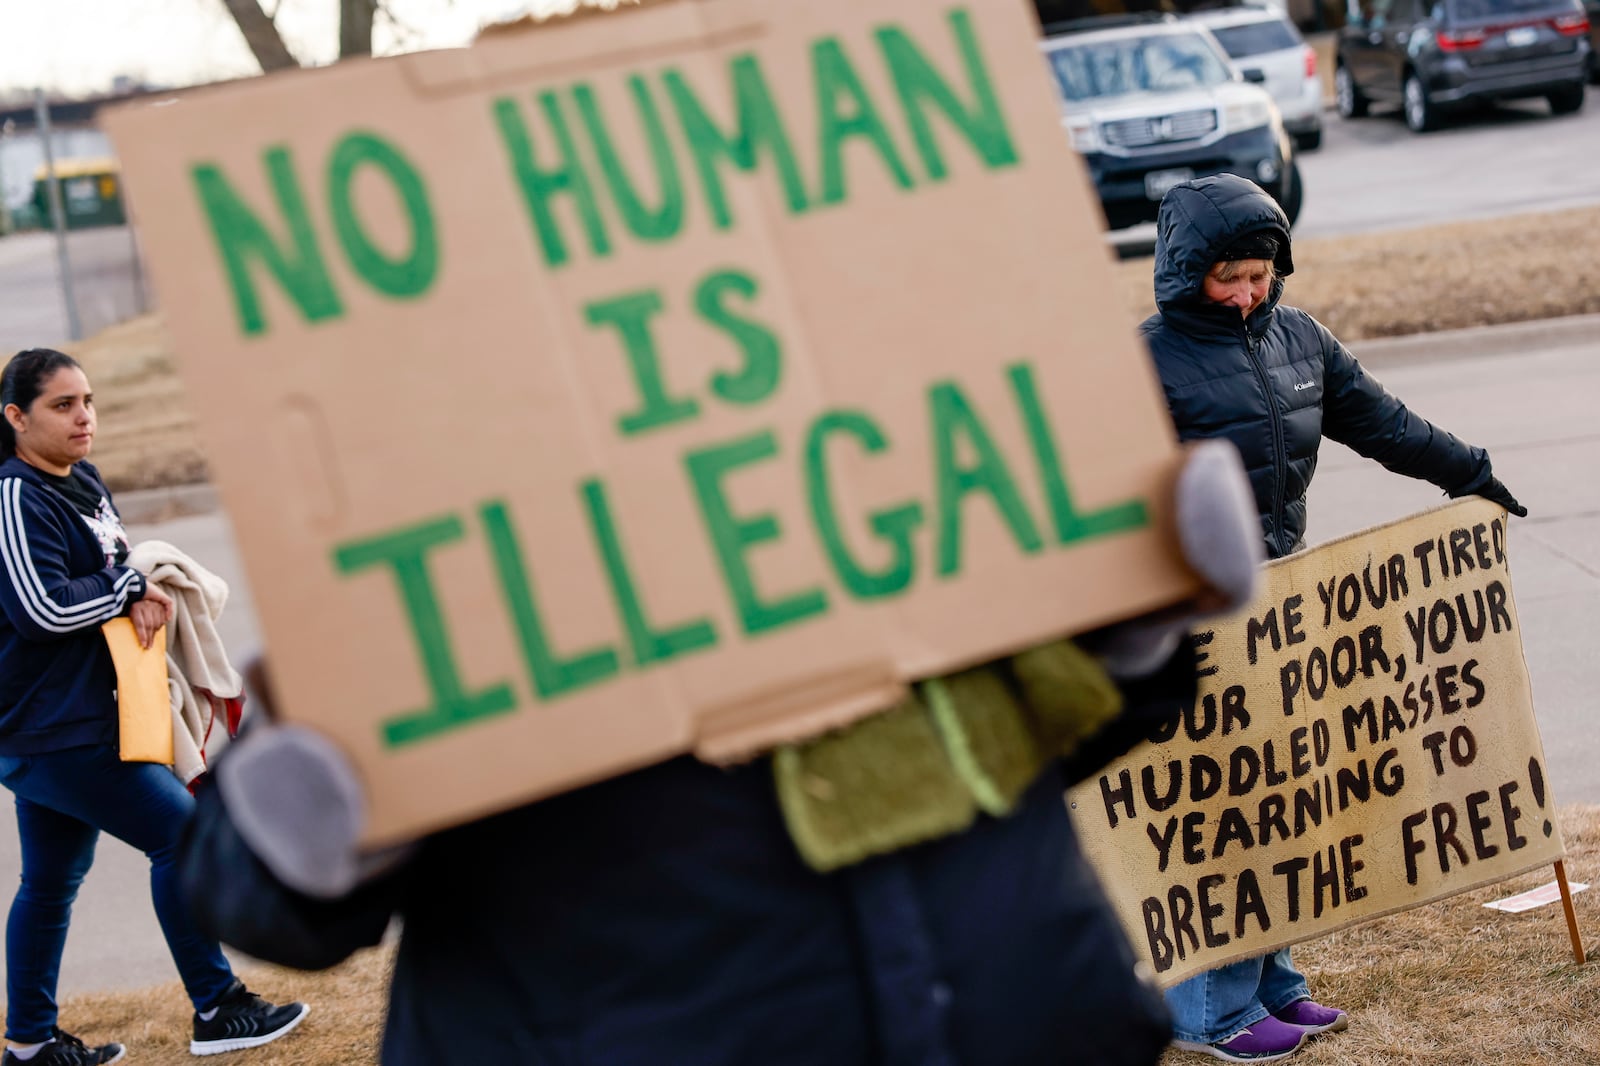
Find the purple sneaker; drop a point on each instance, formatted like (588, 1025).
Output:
(1265, 1041)
(1312, 1018)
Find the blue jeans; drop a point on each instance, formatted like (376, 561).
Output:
(64, 799)
(1213, 1006)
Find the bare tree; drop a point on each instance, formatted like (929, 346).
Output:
(262, 35)
(260, 30)
(355, 27)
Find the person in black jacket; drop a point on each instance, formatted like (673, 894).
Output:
(63, 574)
(668, 917)
(1237, 364)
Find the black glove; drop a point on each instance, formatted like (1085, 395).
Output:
(1488, 486)
(1495, 492)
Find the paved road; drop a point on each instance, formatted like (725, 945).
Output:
(1375, 174)
(107, 285)
(1528, 398)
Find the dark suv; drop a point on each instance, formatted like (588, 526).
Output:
(1593, 8)
(1431, 56)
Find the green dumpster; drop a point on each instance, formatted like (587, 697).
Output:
(91, 193)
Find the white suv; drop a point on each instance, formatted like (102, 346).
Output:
(1259, 38)
(1150, 101)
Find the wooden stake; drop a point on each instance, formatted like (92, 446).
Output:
(1572, 916)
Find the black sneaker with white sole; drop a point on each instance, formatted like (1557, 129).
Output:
(243, 1019)
(64, 1049)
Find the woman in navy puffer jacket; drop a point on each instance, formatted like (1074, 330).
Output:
(1237, 364)
(1269, 377)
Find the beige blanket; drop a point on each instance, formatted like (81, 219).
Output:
(198, 669)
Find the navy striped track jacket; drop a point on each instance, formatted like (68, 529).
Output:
(57, 683)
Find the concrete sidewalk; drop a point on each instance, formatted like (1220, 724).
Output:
(1510, 338)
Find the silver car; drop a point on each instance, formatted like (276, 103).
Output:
(1260, 38)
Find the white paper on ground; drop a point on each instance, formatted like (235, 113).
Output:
(1534, 897)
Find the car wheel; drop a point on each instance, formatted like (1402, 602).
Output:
(1309, 142)
(1347, 95)
(1294, 193)
(1421, 115)
(1567, 100)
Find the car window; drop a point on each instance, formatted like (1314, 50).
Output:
(1467, 10)
(1164, 63)
(1253, 38)
(1372, 13)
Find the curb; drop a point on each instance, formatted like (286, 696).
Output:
(1477, 342)
(148, 506)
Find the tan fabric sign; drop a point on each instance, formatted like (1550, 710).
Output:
(1364, 742)
(682, 379)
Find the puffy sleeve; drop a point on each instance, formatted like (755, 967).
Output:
(1361, 414)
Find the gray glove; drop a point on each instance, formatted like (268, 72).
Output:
(295, 801)
(298, 804)
(1219, 532)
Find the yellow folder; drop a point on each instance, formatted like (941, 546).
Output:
(144, 706)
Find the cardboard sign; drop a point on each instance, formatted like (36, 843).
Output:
(1364, 742)
(683, 379)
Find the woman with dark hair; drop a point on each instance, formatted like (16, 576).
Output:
(63, 552)
(1238, 365)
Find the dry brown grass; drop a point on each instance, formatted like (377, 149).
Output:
(1449, 984)
(343, 1029)
(1439, 277)
(146, 436)
(1382, 284)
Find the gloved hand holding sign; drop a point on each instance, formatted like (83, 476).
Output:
(297, 803)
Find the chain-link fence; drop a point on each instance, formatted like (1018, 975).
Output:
(69, 267)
